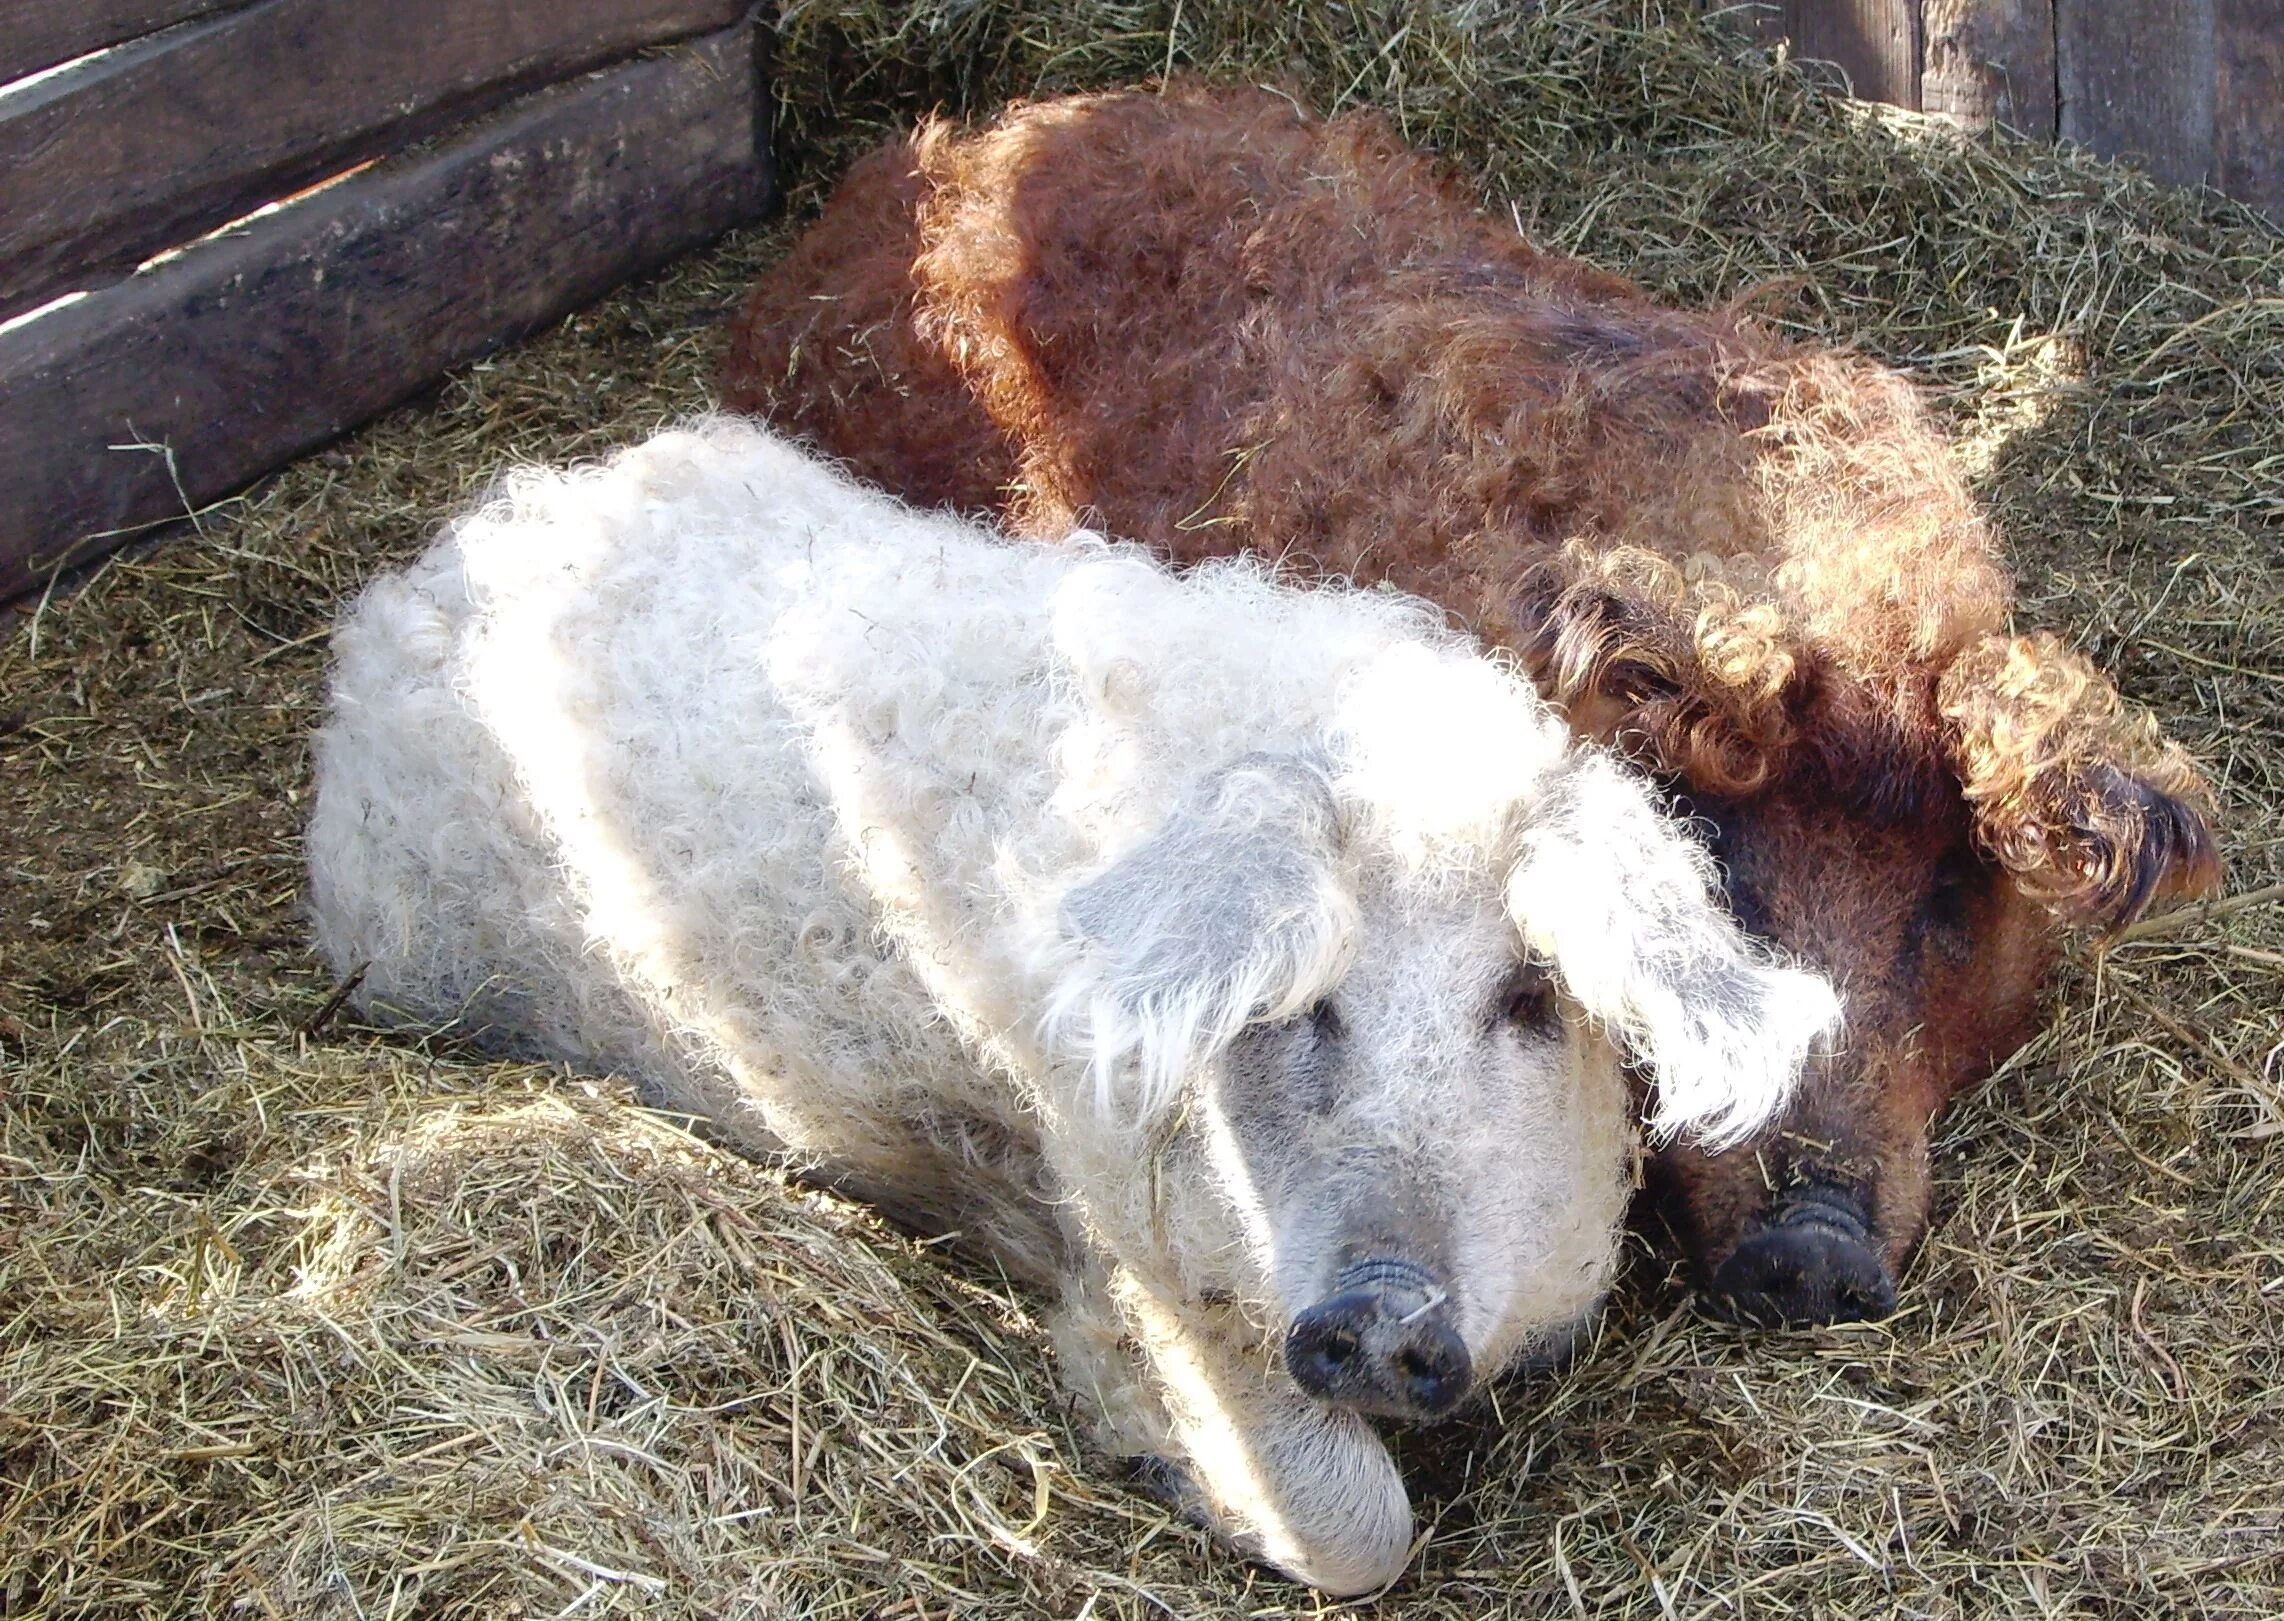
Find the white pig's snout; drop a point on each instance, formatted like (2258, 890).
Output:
(1382, 1342)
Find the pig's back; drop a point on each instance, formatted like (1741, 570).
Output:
(582, 790)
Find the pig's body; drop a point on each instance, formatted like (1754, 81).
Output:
(1214, 322)
(1165, 936)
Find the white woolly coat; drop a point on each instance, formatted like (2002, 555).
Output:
(938, 861)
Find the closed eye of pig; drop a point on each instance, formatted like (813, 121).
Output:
(1527, 1002)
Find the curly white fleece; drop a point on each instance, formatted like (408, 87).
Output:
(950, 865)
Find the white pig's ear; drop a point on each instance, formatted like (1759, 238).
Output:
(1621, 902)
(1231, 911)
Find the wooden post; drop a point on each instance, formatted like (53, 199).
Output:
(2190, 90)
(1991, 62)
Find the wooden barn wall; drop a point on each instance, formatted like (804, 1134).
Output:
(525, 156)
(2191, 90)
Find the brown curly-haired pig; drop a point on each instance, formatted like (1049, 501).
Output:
(1208, 320)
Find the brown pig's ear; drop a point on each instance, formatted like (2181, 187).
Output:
(1689, 678)
(2077, 795)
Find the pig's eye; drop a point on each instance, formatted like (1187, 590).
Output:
(1325, 1022)
(1950, 905)
(1946, 919)
(1527, 1001)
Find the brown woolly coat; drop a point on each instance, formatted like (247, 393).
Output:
(1208, 320)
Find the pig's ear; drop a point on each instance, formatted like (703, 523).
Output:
(1231, 911)
(2077, 794)
(1621, 902)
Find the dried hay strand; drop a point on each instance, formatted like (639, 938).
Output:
(300, 1321)
(505, 1355)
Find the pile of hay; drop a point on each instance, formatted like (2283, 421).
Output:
(296, 1321)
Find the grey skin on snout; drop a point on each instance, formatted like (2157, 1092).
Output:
(1382, 1344)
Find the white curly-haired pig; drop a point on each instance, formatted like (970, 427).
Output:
(1250, 963)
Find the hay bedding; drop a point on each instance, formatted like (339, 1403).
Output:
(298, 1322)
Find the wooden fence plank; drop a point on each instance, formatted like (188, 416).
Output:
(250, 348)
(36, 34)
(1875, 42)
(2248, 102)
(144, 147)
(1990, 62)
(2135, 79)
(1762, 19)
(2190, 89)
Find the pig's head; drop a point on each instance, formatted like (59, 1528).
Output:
(1371, 997)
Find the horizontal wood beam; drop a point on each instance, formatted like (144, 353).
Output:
(37, 34)
(147, 146)
(190, 380)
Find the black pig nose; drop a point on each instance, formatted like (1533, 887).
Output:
(1813, 1264)
(1389, 1353)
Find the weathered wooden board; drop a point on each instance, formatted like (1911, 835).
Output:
(37, 34)
(250, 348)
(1990, 62)
(2135, 79)
(144, 147)
(2191, 90)
(1763, 19)
(2248, 102)
(1874, 42)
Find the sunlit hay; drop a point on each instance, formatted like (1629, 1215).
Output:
(504, 1353)
(664, 1362)
(261, 1352)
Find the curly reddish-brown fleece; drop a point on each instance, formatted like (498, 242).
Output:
(1208, 320)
